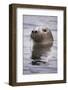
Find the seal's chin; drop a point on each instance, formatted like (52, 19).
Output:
(37, 39)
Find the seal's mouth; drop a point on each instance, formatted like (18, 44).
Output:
(36, 36)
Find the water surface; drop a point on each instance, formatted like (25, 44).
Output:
(30, 22)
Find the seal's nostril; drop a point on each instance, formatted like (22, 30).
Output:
(32, 31)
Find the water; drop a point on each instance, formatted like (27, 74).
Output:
(30, 22)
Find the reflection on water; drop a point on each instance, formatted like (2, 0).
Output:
(45, 57)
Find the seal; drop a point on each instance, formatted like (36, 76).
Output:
(42, 42)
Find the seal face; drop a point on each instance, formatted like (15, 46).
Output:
(43, 36)
(42, 42)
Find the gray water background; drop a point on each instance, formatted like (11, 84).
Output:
(30, 22)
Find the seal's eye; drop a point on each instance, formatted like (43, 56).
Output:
(35, 31)
(44, 30)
